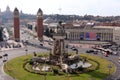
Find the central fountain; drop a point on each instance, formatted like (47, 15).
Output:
(59, 54)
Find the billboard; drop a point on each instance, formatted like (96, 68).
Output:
(90, 36)
(81, 35)
(98, 35)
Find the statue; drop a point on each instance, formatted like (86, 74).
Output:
(60, 28)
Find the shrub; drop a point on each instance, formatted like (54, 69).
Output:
(55, 71)
(80, 68)
(0, 57)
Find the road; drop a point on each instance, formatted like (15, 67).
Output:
(15, 53)
(116, 74)
(19, 52)
(111, 58)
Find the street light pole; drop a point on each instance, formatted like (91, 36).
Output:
(109, 68)
(45, 76)
(26, 48)
(45, 68)
(68, 37)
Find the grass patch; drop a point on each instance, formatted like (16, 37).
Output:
(15, 69)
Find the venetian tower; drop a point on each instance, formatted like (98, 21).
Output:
(40, 24)
(16, 25)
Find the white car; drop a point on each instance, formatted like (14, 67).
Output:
(114, 52)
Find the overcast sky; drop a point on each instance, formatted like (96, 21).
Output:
(78, 7)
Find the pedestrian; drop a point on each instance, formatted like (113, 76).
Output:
(5, 56)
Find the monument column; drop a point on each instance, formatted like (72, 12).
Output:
(40, 24)
(16, 25)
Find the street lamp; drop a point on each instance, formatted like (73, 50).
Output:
(109, 68)
(68, 37)
(26, 48)
(45, 68)
(26, 42)
(5, 57)
(45, 76)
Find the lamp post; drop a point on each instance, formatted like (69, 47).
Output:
(5, 57)
(26, 48)
(45, 68)
(1, 53)
(68, 38)
(45, 76)
(109, 68)
(26, 42)
(67, 45)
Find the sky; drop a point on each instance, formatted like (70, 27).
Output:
(68, 7)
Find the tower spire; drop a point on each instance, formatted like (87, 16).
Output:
(16, 25)
(7, 9)
(40, 13)
(40, 24)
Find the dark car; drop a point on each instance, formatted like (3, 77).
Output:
(72, 47)
(89, 51)
(41, 44)
(75, 49)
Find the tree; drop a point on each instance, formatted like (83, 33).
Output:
(47, 32)
(36, 28)
(1, 38)
(51, 32)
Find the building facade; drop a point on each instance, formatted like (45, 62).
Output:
(116, 35)
(99, 33)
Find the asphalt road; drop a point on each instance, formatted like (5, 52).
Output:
(19, 52)
(15, 53)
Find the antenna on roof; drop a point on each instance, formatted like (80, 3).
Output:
(60, 9)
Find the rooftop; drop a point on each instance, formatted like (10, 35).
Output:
(107, 27)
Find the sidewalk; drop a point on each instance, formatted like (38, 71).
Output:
(88, 42)
(10, 45)
(3, 75)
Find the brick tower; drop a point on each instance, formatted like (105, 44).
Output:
(40, 24)
(16, 25)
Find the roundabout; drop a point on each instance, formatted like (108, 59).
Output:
(19, 69)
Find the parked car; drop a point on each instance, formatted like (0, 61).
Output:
(72, 47)
(95, 52)
(50, 43)
(89, 51)
(75, 49)
(41, 44)
(115, 53)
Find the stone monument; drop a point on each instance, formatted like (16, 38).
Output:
(59, 53)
